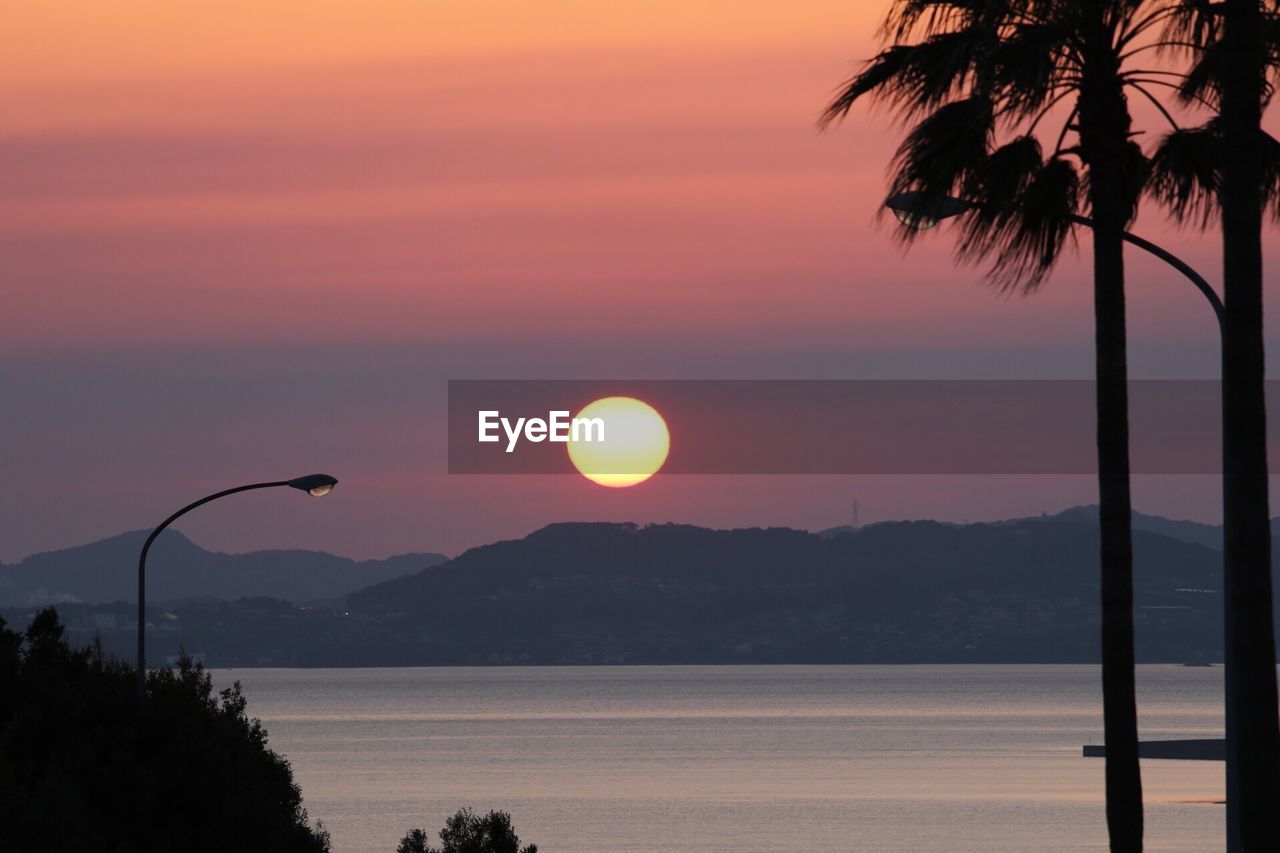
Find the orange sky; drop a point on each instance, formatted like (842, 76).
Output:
(526, 169)
(211, 208)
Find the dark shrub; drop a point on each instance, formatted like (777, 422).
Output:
(82, 769)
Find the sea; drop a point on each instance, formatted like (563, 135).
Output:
(736, 758)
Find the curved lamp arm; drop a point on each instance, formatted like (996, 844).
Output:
(1180, 265)
(314, 484)
(917, 212)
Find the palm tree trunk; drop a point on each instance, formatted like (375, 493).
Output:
(1253, 738)
(1119, 698)
(1104, 140)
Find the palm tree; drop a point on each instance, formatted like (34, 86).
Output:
(979, 79)
(1229, 167)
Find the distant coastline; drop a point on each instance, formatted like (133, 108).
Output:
(574, 594)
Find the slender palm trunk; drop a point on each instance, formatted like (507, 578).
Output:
(1104, 137)
(1253, 738)
(1119, 699)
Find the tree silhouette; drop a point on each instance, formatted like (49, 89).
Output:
(467, 832)
(83, 768)
(415, 841)
(1229, 169)
(980, 79)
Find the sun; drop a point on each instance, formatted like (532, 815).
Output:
(635, 442)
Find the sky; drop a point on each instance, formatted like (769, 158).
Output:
(248, 240)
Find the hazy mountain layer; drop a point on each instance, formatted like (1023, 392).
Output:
(177, 569)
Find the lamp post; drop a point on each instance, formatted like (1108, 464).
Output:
(919, 213)
(317, 485)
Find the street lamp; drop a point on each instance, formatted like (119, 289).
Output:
(920, 214)
(317, 485)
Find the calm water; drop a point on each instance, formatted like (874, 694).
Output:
(736, 759)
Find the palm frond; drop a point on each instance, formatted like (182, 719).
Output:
(1185, 172)
(1027, 67)
(1271, 171)
(934, 16)
(962, 70)
(1271, 43)
(1002, 177)
(1203, 79)
(1271, 37)
(1196, 22)
(1133, 24)
(881, 71)
(941, 153)
(916, 78)
(1023, 240)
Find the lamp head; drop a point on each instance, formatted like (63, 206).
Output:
(919, 213)
(316, 485)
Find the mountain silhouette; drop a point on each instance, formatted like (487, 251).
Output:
(1198, 532)
(905, 591)
(178, 569)
(1022, 590)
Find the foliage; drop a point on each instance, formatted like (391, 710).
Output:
(1187, 164)
(467, 832)
(81, 768)
(980, 82)
(415, 841)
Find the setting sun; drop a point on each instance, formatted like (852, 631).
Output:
(635, 443)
